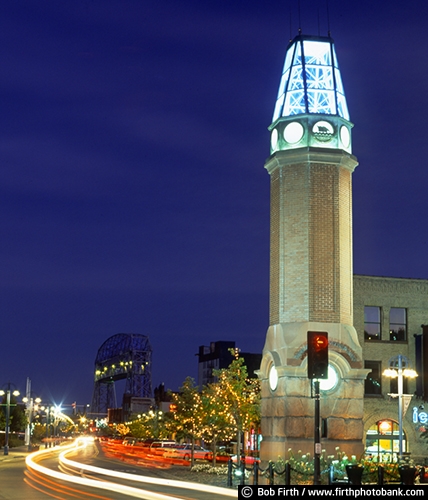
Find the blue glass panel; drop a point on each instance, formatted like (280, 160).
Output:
(319, 77)
(317, 53)
(339, 85)
(283, 83)
(336, 64)
(278, 107)
(342, 107)
(288, 58)
(321, 102)
(296, 78)
(297, 59)
(294, 103)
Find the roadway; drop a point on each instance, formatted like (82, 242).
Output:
(83, 473)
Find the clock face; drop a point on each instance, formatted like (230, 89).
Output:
(293, 132)
(273, 378)
(274, 139)
(331, 382)
(345, 136)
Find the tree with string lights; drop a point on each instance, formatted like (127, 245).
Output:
(239, 396)
(188, 415)
(218, 423)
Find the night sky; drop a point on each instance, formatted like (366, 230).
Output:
(133, 193)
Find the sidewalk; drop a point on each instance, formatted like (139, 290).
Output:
(14, 453)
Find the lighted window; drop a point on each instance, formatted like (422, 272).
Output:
(397, 323)
(372, 384)
(372, 323)
(382, 441)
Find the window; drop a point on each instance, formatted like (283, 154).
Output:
(372, 325)
(382, 441)
(397, 323)
(372, 384)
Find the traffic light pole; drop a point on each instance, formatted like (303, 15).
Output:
(317, 369)
(317, 438)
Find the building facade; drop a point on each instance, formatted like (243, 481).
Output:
(388, 316)
(217, 356)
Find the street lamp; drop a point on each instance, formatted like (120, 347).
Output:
(49, 410)
(32, 404)
(399, 368)
(6, 436)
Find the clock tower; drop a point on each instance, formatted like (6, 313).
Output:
(310, 168)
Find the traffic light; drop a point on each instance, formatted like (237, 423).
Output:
(317, 355)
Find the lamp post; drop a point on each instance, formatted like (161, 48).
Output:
(48, 409)
(6, 435)
(32, 404)
(399, 368)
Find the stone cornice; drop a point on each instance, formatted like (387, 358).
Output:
(311, 155)
(389, 285)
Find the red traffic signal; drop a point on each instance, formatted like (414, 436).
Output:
(317, 355)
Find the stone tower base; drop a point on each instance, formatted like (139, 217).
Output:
(288, 410)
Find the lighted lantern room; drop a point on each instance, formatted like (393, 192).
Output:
(311, 107)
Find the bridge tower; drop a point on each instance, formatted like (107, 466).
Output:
(124, 356)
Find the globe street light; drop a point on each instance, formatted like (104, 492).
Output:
(399, 368)
(6, 436)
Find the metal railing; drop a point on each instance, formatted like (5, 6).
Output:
(238, 474)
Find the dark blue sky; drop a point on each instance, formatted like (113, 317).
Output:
(133, 194)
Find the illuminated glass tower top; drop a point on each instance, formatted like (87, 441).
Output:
(311, 107)
(311, 81)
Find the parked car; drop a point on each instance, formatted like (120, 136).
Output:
(129, 441)
(163, 444)
(184, 452)
(222, 456)
(158, 447)
(249, 460)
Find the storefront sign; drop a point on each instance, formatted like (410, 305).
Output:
(419, 416)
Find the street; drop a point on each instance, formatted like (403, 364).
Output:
(68, 472)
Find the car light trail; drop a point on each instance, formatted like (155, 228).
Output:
(107, 485)
(51, 488)
(92, 483)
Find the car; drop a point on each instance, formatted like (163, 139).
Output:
(249, 460)
(159, 447)
(184, 452)
(129, 441)
(163, 444)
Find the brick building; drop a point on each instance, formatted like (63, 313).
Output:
(388, 316)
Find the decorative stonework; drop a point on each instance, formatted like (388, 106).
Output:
(384, 285)
(345, 350)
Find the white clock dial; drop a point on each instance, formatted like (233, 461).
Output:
(329, 383)
(345, 136)
(293, 132)
(274, 139)
(273, 378)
